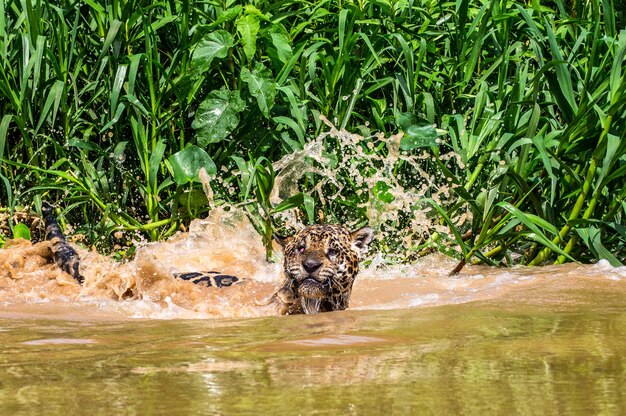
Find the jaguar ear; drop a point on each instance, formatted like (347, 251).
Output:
(282, 241)
(362, 238)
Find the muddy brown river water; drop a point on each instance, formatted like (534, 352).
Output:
(528, 341)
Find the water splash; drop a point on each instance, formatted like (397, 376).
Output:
(145, 287)
(387, 190)
(30, 285)
(226, 242)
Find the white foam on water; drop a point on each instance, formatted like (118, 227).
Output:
(60, 341)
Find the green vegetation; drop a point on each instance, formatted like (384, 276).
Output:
(110, 108)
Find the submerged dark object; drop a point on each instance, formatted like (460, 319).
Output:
(215, 279)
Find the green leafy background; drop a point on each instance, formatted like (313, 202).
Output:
(109, 107)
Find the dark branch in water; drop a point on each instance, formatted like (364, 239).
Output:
(458, 268)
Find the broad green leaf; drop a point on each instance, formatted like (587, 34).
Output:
(416, 135)
(118, 152)
(343, 17)
(381, 192)
(248, 27)
(135, 61)
(429, 107)
(214, 45)
(246, 173)
(137, 104)
(194, 199)
(612, 145)
(261, 85)
(39, 52)
(21, 231)
(217, 116)
(608, 9)
(187, 163)
(419, 136)
(250, 9)
(621, 230)
(282, 44)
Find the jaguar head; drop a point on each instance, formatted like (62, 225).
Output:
(321, 263)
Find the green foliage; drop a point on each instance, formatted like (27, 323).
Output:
(213, 45)
(187, 163)
(217, 116)
(21, 231)
(261, 86)
(517, 108)
(416, 135)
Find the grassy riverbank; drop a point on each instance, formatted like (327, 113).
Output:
(513, 116)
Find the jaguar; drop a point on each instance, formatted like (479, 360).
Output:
(321, 263)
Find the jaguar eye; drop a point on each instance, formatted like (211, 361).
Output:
(301, 249)
(331, 252)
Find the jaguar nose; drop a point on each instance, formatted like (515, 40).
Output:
(311, 265)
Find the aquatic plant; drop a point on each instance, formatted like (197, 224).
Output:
(511, 114)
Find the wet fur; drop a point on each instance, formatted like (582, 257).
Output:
(321, 263)
(62, 253)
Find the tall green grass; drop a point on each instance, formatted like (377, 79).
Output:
(111, 107)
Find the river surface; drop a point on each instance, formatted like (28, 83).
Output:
(133, 340)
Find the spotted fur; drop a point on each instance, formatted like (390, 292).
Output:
(215, 279)
(321, 263)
